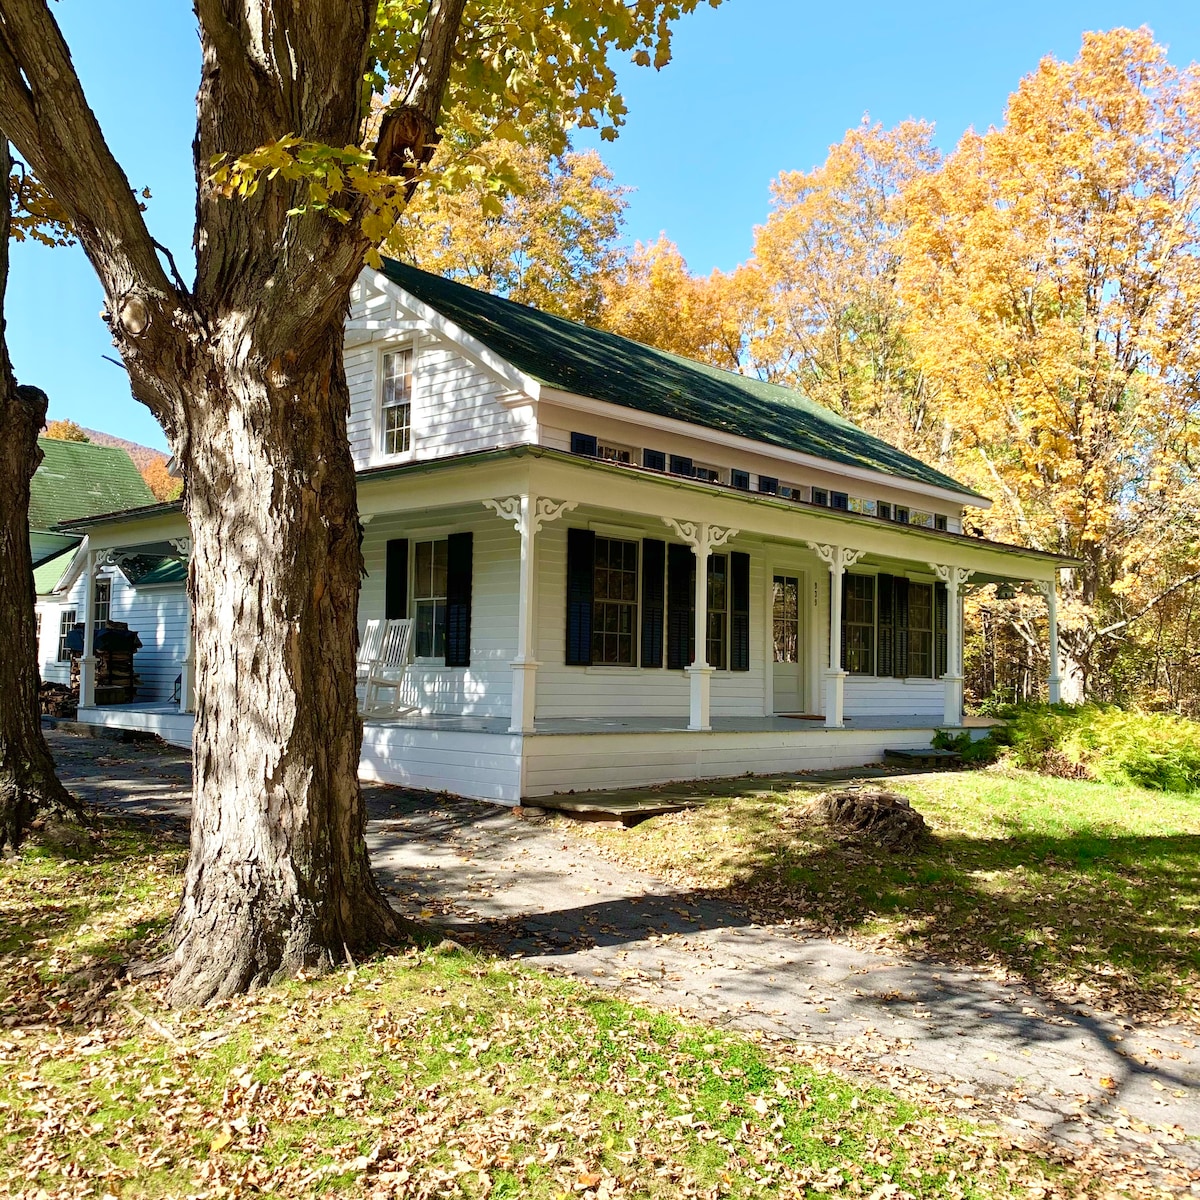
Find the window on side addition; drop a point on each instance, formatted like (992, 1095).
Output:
(430, 561)
(66, 622)
(103, 603)
(396, 401)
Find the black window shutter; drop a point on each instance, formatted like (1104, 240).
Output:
(458, 599)
(395, 580)
(941, 608)
(581, 583)
(739, 611)
(654, 565)
(885, 663)
(654, 460)
(842, 634)
(681, 465)
(584, 443)
(900, 623)
(681, 586)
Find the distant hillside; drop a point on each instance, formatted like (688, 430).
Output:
(142, 456)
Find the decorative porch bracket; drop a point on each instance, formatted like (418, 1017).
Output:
(528, 514)
(838, 559)
(703, 539)
(955, 579)
(187, 669)
(1049, 589)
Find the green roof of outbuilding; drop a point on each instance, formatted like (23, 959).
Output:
(77, 479)
(47, 574)
(604, 366)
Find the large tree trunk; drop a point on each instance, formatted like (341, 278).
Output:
(278, 877)
(27, 779)
(244, 371)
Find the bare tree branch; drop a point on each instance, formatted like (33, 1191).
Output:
(1179, 583)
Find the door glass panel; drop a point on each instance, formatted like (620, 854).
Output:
(786, 592)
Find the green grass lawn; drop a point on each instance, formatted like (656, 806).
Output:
(424, 1073)
(1083, 889)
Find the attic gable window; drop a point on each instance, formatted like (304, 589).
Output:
(396, 401)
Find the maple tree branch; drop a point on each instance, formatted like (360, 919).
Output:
(1166, 595)
(408, 132)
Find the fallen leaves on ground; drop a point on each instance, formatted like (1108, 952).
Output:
(425, 1074)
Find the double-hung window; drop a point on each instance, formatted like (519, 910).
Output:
(858, 624)
(718, 611)
(103, 603)
(396, 401)
(920, 630)
(66, 622)
(430, 561)
(614, 602)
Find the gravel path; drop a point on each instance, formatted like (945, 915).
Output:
(535, 889)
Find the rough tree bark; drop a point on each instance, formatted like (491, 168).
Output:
(244, 371)
(28, 782)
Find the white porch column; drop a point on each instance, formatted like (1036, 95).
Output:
(837, 558)
(87, 664)
(954, 578)
(528, 513)
(187, 668)
(1054, 682)
(703, 539)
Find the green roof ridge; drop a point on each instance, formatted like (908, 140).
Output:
(605, 366)
(79, 479)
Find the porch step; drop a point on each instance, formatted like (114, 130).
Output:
(624, 808)
(928, 757)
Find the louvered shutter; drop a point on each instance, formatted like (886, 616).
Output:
(885, 662)
(459, 547)
(900, 623)
(581, 586)
(739, 611)
(395, 580)
(941, 610)
(681, 586)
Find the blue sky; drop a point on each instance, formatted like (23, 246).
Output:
(756, 87)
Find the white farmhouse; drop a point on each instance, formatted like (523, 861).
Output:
(623, 567)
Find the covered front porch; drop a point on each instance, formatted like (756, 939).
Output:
(480, 757)
(596, 626)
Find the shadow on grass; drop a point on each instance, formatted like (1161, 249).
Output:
(1114, 913)
(70, 924)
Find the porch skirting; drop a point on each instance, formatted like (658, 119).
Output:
(481, 759)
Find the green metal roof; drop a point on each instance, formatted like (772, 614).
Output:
(47, 574)
(77, 479)
(604, 366)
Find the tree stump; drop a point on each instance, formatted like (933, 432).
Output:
(884, 817)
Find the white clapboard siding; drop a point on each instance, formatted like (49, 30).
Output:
(159, 616)
(484, 689)
(480, 766)
(581, 762)
(870, 697)
(600, 691)
(456, 405)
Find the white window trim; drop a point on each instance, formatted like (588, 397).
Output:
(378, 455)
(425, 662)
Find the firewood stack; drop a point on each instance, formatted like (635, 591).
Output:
(115, 646)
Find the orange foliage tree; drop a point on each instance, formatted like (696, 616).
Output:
(1051, 270)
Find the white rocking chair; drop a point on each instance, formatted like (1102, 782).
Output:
(368, 648)
(386, 672)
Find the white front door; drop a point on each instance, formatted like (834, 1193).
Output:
(785, 622)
